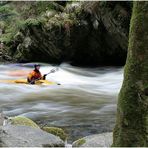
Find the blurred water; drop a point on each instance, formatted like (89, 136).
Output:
(84, 103)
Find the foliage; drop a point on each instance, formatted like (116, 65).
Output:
(32, 22)
(36, 9)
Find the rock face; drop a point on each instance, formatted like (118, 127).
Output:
(99, 140)
(108, 31)
(18, 136)
(88, 33)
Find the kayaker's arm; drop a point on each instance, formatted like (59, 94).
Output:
(44, 76)
(51, 71)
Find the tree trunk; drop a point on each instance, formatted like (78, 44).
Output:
(131, 128)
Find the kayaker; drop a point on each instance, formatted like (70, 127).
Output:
(35, 75)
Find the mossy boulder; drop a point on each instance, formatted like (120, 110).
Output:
(20, 120)
(56, 131)
(98, 140)
(18, 136)
(79, 142)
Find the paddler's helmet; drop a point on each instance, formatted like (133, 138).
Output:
(36, 65)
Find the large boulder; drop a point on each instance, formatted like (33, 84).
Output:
(18, 136)
(98, 140)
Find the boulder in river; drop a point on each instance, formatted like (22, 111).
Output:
(19, 120)
(18, 136)
(98, 140)
(56, 131)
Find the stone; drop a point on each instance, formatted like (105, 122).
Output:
(24, 136)
(20, 120)
(98, 140)
(56, 131)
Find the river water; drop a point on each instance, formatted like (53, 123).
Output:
(84, 103)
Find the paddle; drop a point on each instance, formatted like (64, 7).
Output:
(51, 71)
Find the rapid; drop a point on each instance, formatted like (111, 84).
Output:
(84, 103)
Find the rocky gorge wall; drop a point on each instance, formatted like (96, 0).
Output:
(82, 33)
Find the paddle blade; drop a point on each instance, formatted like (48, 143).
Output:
(54, 70)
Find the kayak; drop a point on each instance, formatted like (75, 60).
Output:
(24, 81)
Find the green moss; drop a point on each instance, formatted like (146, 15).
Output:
(79, 142)
(44, 6)
(19, 120)
(61, 21)
(132, 111)
(11, 31)
(33, 22)
(6, 9)
(19, 15)
(56, 131)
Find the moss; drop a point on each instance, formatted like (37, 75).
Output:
(33, 22)
(5, 9)
(79, 142)
(56, 131)
(19, 120)
(43, 6)
(132, 111)
(18, 15)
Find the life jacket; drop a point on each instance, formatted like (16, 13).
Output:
(34, 75)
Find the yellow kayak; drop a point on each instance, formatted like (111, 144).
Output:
(24, 81)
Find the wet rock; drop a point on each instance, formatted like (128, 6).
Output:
(98, 140)
(18, 136)
(56, 131)
(20, 120)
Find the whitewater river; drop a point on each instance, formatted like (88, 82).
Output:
(84, 103)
